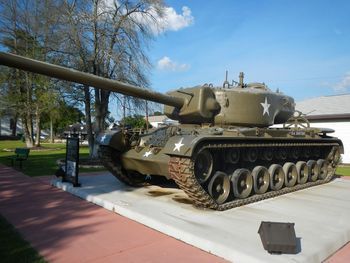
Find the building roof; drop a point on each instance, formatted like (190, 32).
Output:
(336, 106)
(157, 118)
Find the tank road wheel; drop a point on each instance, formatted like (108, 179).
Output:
(314, 170)
(291, 174)
(219, 187)
(203, 166)
(303, 172)
(294, 153)
(242, 183)
(232, 155)
(261, 178)
(268, 154)
(323, 169)
(307, 152)
(281, 154)
(316, 152)
(276, 177)
(251, 155)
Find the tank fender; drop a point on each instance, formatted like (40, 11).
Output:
(113, 138)
(181, 145)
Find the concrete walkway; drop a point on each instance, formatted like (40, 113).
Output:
(64, 228)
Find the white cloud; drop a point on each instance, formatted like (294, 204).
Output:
(165, 63)
(343, 85)
(169, 21)
(173, 21)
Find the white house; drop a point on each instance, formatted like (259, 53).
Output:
(330, 112)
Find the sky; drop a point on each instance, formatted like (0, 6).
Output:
(300, 47)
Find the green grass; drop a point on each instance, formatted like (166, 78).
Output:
(13, 248)
(41, 162)
(343, 170)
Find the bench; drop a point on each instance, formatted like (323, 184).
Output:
(21, 154)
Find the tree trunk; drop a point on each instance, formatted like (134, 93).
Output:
(37, 127)
(14, 125)
(51, 130)
(91, 139)
(27, 132)
(101, 110)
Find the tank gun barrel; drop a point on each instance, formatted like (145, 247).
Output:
(59, 72)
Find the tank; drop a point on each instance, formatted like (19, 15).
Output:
(225, 152)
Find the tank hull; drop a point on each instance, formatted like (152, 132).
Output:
(173, 152)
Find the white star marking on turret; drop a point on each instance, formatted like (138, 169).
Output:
(147, 153)
(266, 107)
(178, 145)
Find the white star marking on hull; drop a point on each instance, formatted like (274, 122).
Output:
(147, 153)
(178, 145)
(266, 107)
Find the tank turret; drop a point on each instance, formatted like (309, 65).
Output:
(224, 153)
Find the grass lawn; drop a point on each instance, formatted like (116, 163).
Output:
(41, 162)
(343, 170)
(13, 248)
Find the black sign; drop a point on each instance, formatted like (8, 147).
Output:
(72, 161)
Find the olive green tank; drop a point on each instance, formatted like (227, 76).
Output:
(225, 152)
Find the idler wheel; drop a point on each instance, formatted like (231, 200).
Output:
(303, 172)
(233, 155)
(268, 154)
(323, 166)
(336, 157)
(203, 166)
(242, 183)
(291, 174)
(261, 178)
(276, 177)
(251, 155)
(314, 170)
(219, 187)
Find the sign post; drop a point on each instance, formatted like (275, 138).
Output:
(72, 162)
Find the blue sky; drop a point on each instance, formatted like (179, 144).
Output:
(300, 47)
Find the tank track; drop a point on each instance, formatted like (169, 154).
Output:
(181, 170)
(110, 159)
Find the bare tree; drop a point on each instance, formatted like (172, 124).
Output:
(109, 40)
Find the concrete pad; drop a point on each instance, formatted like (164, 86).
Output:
(321, 216)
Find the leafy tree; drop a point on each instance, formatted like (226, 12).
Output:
(60, 117)
(26, 28)
(135, 121)
(158, 113)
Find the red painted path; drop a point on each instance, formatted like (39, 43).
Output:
(64, 228)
